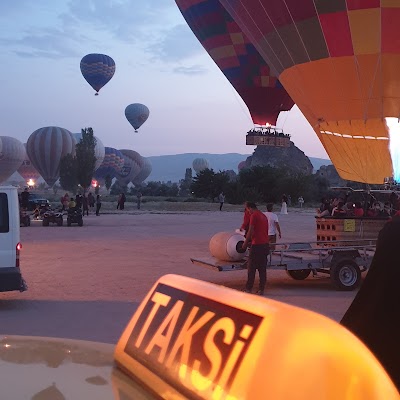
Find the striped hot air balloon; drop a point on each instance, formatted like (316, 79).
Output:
(46, 147)
(137, 114)
(97, 69)
(199, 164)
(145, 168)
(130, 169)
(12, 154)
(27, 170)
(99, 150)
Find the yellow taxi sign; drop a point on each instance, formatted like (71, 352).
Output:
(192, 339)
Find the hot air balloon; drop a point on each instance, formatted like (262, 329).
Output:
(237, 58)
(27, 170)
(199, 164)
(112, 164)
(339, 61)
(45, 147)
(137, 114)
(145, 168)
(97, 69)
(130, 169)
(12, 154)
(99, 150)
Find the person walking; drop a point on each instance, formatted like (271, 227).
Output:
(301, 201)
(98, 204)
(221, 199)
(257, 235)
(273, 226)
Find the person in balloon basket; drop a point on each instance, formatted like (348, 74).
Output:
(98, 204)
(257, 236)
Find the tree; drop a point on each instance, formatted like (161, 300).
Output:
(68, 173)
(85, 158)
(108, 182)
(184, 184)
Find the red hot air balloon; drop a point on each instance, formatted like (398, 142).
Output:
(237, 58)
(339, 60)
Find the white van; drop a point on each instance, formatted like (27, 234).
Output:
(10, 245)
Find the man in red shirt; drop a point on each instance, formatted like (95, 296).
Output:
(257, 235)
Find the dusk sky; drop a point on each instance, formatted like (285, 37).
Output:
(159, 62)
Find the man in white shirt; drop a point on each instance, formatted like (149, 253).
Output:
(273, 226)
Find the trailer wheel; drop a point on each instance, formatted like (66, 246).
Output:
(299, 274)
(345, 275)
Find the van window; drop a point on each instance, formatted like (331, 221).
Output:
(4, 223)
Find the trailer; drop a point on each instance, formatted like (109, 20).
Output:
(343, 261)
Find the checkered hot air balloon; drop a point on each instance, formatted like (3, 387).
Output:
(237, 58)
(112, 164)
(137, 114)
(339, 60)
(97, 69)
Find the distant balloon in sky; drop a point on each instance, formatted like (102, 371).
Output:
(99, 150)
(27, 170)
(45, 147)
(199, 164)
(12, 154)
(97, 69)
(137, 114)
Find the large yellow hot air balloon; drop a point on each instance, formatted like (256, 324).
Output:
(339, 60)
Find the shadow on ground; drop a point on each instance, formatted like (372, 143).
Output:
(100, 321)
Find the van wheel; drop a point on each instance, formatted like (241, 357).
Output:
(299, 274)
(345, 275)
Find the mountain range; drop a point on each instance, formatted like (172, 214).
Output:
(172, 167)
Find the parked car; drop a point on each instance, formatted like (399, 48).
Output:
(36, 200)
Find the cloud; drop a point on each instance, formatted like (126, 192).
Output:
(192, 70)
(126, 20)
(47, 43)
(176, 44)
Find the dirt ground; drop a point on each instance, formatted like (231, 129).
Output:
(85, 282)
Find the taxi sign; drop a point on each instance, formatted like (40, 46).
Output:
(192, 339)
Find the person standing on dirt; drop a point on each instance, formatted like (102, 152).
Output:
(139, 199)
(273, 226)
(91, 200)
(85, 205)
(25, 199)
(98, 204)
(221, 199)
(259, 250)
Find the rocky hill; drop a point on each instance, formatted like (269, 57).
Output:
(290, 157)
